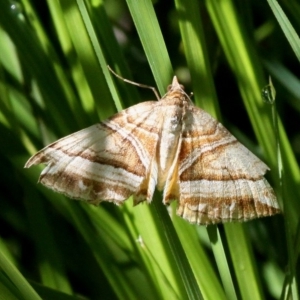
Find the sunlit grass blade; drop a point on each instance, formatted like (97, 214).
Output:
(196, 54)
(205, 274)
(286, 26)
(93, 63)
(223, 263)
(152, 40)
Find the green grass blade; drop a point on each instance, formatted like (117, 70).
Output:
(52, 270)
(80, 31)
(206, 277)
(286, 26)
(23, 288)
(152, 40)
(223, 263)
(197, 56)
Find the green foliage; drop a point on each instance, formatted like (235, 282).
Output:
(54, 81)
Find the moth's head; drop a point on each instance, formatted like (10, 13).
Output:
(176, 90)
(175, 85)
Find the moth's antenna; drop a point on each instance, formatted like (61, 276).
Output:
(135, 83)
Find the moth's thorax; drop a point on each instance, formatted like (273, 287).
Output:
(178, 97)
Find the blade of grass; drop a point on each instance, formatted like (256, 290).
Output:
(49, 50)
(154, 235)
(83, 90)
(152, 40)
(49, 294)
(206, 277)
(51, 266)
(23, 288)
(222, 262)
(114, 55)
(289, 31)
(243, 262)
(80, 30)
(34, 56)
(8, 291)
(109, 44)
(196, 55)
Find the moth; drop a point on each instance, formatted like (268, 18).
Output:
(170, 145)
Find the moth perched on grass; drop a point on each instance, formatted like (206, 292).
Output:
(169, 144)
